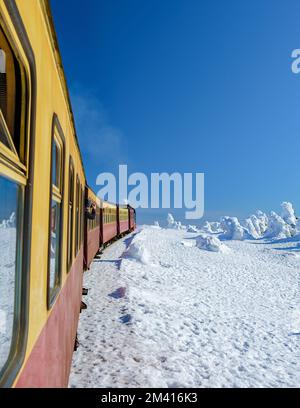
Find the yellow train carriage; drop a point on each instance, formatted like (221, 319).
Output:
(92, 226)
(109, 226)
(42, 185)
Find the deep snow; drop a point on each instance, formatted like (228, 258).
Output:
(163, 312)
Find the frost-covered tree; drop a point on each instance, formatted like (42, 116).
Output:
(277, 227)
(232, 228)
(288, 213)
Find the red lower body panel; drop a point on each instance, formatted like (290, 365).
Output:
(93, 238)
(50, 360)
(109, 231)
(123, 226)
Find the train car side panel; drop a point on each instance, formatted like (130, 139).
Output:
(50, 360)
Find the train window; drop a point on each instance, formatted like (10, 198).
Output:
(82, 216)
(9, 231)
(70, 214)
(12, 108)
(13, 183)
(55, 223)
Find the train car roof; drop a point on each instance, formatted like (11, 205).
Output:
(106, 204)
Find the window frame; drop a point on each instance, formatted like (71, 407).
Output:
(70, 246)
(77, 216)
(56, 193)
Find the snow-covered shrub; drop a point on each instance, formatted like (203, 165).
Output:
(192, 228)
(262, 221)
(170, 220)
(156, 223)
(232, 229)
(174, 224)
(210, 243)
(252, 227)
(212, 227)
(215, 227)
(277, 227)
(288, 213)
(207, 227)
(138, 251)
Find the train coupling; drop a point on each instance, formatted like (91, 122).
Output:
(83, 306)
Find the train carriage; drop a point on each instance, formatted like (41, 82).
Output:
(92, 227)
(123, 219)
(46, 237)
(109, 227)
(42, 183)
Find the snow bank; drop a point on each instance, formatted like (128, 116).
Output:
(232, 229)
(138, 251)
(277, 227)
(156, 224)
(288, 213)
(210, 243)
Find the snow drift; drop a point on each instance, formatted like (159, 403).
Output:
(210, 243)
(139, 252)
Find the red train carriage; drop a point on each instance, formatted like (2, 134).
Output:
(109, 226)
(123, 219)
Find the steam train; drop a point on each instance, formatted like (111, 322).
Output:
(51, 223)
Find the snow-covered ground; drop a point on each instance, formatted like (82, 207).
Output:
(166, 308)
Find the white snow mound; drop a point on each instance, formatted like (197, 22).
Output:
(138, 251)
(211, 243)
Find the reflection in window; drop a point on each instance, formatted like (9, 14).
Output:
(70, 215)
(55, 238)
(54, 245)
(8, 243)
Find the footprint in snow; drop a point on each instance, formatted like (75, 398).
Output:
(126, 319)
(118, 293)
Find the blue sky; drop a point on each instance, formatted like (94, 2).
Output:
(188, 86)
